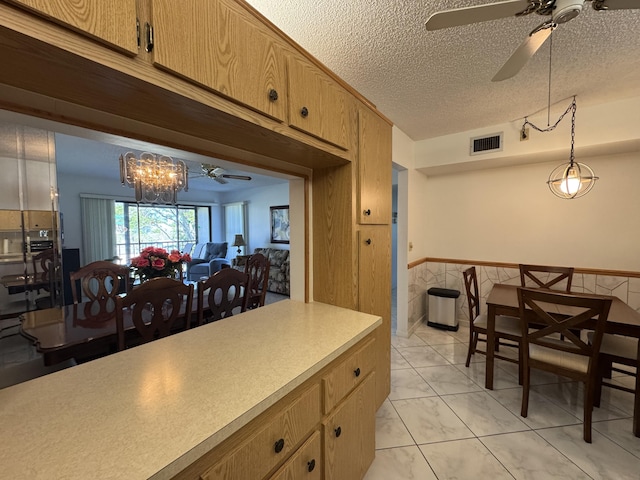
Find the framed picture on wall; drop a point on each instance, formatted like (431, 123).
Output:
(280, 224)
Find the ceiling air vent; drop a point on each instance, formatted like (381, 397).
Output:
(491, 143)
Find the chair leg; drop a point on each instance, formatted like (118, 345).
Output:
(597, 389)
(526, 373)
(588, 409)
(472, 348)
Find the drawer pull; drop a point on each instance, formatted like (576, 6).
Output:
(273, 95)
(367, 212)
(368, 241)
(279, 445)
(304, 112)
(311, 465)
(338, 432)
(356, 372)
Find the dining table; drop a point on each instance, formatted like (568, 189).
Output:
(87, 329)
(622, 320)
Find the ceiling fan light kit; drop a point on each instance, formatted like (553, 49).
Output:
(217, 174)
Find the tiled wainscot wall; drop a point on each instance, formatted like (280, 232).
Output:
(427, 274)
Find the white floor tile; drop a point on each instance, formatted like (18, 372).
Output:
(404, 463)
(447, 379)
(431, 420)
(483, 414)
(422, 356)
(620, 432)
(397, 360)
(412, 341)
(456, 353)
(529, 457)
(501, 378)
(390, 430)
(462, 459)
(409, 384)
(602, 459)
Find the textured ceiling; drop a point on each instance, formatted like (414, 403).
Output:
(436, 83)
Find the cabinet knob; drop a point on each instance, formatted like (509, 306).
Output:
(273, 95)
(356, 372)
(338, 431)
(304, 112)
(368, 241)
(311, 465)
(367, 212)
(279, 445)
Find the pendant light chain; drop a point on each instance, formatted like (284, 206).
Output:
(570, 108)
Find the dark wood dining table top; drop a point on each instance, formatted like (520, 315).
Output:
(622, 320)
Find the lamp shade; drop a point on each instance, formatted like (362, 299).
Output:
(239, 241)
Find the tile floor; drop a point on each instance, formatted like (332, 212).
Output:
(440, 423)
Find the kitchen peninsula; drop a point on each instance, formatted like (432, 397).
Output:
(245, 397)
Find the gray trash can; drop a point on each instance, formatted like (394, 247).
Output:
(442, 308)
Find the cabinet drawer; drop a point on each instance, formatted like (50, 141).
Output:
(257, 456)
(305, 464)
(349, 373)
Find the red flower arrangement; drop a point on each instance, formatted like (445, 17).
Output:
(158, 262)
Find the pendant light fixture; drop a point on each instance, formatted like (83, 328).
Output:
(569, 180)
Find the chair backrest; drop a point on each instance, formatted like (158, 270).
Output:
(44, 264)
(549, 316)
(154, 309)
(99, 281)
(257, 266)
(471, 287)
(544, 276)
(221, 294)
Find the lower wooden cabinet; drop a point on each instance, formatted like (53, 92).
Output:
(349, 434)
(305, 464)
(294, 440)
(272, 443)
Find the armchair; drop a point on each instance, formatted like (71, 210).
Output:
(206, 259)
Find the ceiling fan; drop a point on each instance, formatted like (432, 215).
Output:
(559, 11)
(217, 173)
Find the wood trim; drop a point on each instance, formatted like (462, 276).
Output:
(584, 271)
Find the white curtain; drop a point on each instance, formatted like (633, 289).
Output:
(98, 229)
(235, 222)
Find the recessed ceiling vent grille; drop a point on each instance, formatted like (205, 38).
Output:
(491, 143)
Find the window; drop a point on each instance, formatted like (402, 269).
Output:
(166, 226)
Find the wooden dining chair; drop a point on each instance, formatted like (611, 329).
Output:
(154, 309)
(45, 268)
(507, 328)
(549, 277)
(616, 349)
(98, 281)
(257, 267)
(222, 294)
(547, 315)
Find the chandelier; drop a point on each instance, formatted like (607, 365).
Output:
(154, 178)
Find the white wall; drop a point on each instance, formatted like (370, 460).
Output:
(258, 202)
(509, 215)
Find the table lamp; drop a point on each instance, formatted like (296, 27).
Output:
(239, 242)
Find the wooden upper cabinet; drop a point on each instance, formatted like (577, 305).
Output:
(374, 169)
(112, 22)
(317, 105)
(220, 46)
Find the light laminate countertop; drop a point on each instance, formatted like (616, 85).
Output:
(150, 411)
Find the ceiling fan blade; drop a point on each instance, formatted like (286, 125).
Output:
(220, 180)
(525, 51)
(604, 5)
(236, 177)
(476, 14)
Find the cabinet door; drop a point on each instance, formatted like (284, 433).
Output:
(112, 22)
(39, 220)
(219, 45)
(317, 105)
(349, 434)
(11, 220)
(374, 296)
(374, 169)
